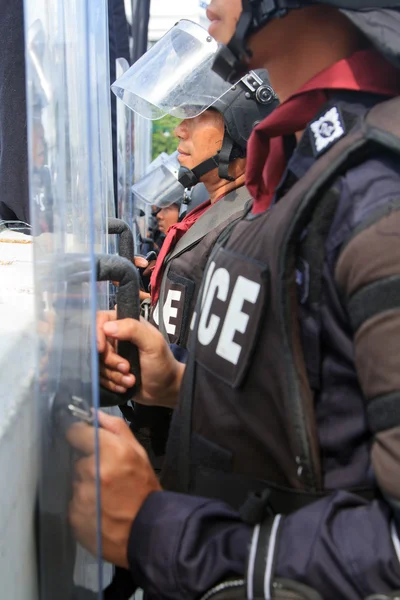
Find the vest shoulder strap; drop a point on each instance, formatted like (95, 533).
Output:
(219, 212)
(211, 219)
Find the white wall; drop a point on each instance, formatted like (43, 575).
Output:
(18, 425)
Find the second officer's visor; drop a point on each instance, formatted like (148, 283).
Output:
(160, 186)
(174, 77)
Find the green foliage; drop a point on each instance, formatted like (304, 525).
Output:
(163, 139)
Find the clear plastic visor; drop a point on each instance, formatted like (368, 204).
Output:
(160, 186)
(174, 77)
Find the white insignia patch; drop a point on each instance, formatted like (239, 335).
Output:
(327, 129)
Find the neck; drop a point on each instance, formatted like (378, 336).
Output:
(222, 187)
(290, 66)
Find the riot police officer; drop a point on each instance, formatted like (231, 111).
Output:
(211, 150)
(292, 388)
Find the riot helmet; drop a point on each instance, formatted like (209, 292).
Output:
(246, 103)
(192, 198)
(378, 20)
(175, 77)
(160, 187)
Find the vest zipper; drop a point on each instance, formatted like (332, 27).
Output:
(221, 587)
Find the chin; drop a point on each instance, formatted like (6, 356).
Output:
(185, 160)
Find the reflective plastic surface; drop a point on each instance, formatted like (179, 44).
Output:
(69, 195)
(174, 77)
(160, 186)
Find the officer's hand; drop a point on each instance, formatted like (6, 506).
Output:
(126, 480)
(113, 368)
(161, 373)
(142, 263)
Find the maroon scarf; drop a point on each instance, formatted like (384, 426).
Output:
(365, 70)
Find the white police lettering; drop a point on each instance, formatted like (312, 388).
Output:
(327, 129)
(169, 311)
(236, 319)
(208, 325)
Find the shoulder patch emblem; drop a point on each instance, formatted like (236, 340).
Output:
(326, 130)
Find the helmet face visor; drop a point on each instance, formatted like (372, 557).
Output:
(160, 186)
(174, 77)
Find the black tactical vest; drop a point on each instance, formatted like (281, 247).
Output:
(185, 264)
(183, 273)
(246, 419)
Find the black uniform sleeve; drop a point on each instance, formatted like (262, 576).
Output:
(180, 546)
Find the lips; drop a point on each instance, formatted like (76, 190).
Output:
(181, 151)
(212, 16)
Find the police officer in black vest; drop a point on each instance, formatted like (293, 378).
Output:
(288, 407)
(212, 149)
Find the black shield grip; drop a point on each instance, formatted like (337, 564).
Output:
(126, 246)
(119, 269)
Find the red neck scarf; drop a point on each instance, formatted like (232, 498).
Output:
(366, 71)
(174, 234)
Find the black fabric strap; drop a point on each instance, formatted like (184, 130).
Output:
(206, 166)
(224, 158)
(384, 412)
(375, 298)
(212, 218)
(256, 507)
(190, 177)
(234, 488)
(121, 587)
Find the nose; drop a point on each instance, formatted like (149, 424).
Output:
(181, 130)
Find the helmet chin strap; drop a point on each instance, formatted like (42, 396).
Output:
(190, 177)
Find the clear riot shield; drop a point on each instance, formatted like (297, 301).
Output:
(142, 159)
(68, 224)
(96, 117)
(101, 112)
(125, 156)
